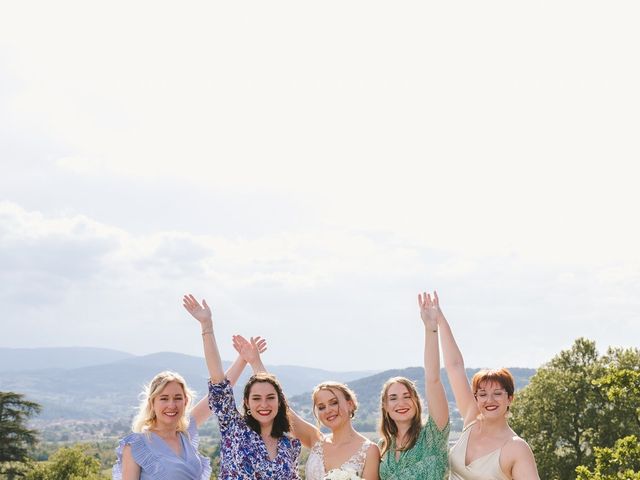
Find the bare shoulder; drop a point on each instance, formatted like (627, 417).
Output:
(519, 460)
(373, 449)
(517, 452)
(517, 446)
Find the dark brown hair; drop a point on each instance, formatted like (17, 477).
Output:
(281, 423)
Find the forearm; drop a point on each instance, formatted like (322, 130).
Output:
(258, 366)
(235, 370)
(434, 390)
(450, 352)
(431, 356)
(211, 354)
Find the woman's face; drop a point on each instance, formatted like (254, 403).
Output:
(263, 402)
(169, 405)
(332, 408)
(399, 403)
(492, 400)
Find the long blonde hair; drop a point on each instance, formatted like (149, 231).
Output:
(146, 417)
(388, 428)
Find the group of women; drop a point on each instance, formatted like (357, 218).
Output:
(264, 439)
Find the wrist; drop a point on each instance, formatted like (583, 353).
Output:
(207, 329)
(206, 325)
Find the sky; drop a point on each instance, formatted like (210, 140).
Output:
(309, 167)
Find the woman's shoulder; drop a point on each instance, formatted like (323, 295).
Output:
(140, 451)
(368, 447)
(135, 439)
(516, 445)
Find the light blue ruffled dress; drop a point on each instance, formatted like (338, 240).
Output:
(159, 462)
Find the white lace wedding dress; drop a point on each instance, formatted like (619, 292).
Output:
(314, 468)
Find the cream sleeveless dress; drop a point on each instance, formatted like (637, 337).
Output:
(486, 467)
(314, 469)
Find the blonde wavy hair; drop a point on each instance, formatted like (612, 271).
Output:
(146, 417)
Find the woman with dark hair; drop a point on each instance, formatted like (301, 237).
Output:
(255, 445)
(488, 448)
(411, 449)
(164, 441)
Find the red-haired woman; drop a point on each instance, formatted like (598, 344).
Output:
(487, 449)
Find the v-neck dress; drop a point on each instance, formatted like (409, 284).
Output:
(426, 460)
(158, 461)
(314, 469)
(486, 467)
(243, 454)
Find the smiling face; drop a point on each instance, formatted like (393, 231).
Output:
(332, 407)
(492, 399)
(400, 404)
(169, 405)
(262, 402)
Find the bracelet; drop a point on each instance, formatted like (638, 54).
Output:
(204, 332)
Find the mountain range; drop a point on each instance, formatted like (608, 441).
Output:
(103, 384)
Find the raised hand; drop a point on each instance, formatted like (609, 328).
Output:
(430, 312)
(249, 350)
(202, 313)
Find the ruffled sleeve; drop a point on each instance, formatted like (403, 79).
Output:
(142, 455)
(194, 439)
(222, 403)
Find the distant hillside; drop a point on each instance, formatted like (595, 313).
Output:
(74, 387)
(20, 359)
(110, 391)
(368, 392)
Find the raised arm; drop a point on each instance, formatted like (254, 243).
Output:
(307, 433)
(454, 365)
(201, 411)
(202, 313)
(250, 351)
(304, 431)
(434, 390)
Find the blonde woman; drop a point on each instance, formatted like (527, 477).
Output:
(411, 449)
(335, 405)
(164, 442)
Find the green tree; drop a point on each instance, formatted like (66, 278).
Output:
(15, 438)
(567, 409)
(622, 462)
(68, 463)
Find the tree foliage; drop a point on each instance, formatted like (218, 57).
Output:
(68, 463)
(15, 438)
(622, 462)
(577, 402)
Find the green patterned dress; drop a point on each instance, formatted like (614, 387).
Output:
(427, 460)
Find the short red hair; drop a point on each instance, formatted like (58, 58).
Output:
(501, 376)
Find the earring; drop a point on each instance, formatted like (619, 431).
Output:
(248, 411)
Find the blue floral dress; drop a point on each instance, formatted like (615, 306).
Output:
(158, 461)
(243, 454)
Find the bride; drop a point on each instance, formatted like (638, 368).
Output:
(334, 405)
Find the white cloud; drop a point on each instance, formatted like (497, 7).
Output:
(314, 165)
